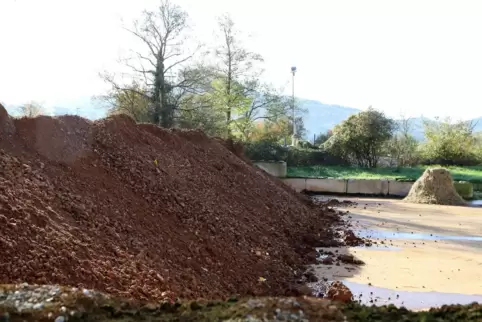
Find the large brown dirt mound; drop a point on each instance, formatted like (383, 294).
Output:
(435, 186)
(135, 210)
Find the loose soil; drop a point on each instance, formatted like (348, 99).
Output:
(145, 213)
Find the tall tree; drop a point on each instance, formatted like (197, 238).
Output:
(278, 129)
(276, 121)
(159, 66)
(262, 103)
(236, 70)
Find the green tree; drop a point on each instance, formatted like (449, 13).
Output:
(361, 138)
(278, 129)
(230, 86)
(236, 89)
(449, 142)
(273, 131)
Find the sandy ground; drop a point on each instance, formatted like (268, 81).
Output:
(415, 254)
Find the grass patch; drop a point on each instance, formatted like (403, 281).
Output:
(471, 174)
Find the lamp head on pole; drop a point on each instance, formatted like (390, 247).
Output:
(293, 70)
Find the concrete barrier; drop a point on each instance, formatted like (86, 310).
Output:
(326, 185)
(299, 184)
(367, 187)
(464, 189)
(275, 168)
(399, 188)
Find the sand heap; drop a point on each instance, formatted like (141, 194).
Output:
(435, 186)
(138, 211)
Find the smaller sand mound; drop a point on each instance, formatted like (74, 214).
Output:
(435, 186)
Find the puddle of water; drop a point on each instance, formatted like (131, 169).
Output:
(371, 295)
(411, 300)
(379, 247)
(475, 203)
(419, 236)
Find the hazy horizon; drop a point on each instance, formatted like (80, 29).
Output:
(412, 57)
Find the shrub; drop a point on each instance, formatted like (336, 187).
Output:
(307, 157)
(307, 145)
(265, 150)
(271, 151)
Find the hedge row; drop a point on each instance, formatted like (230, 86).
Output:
(269, 151)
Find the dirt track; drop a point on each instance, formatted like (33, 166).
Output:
(420, 248)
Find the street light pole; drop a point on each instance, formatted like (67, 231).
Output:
(293, 71)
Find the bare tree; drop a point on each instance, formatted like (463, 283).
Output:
(402, 146)
(31, 109)
(263, 104)
(405, 125)
(159, 68)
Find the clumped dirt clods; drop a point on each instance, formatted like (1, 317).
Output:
(435, 186)
(145, 213)
(34, 303)
(339, 292)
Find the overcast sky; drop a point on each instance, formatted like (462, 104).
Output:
(409, 56)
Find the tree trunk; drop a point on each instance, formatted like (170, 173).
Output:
(157, 97)
(228, 110)
(166, 119)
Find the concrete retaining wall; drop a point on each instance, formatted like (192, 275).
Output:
(399, 188)
(326, 185)
(380, 187)
(464, 189)
(299, 184)
(367, 187)
(277, 169)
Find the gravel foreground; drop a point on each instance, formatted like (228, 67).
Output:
(23, 302)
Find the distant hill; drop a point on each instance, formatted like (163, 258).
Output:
(417, 130)
(322, 117)
(84, 107)
(319, 118)
(416, 127)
